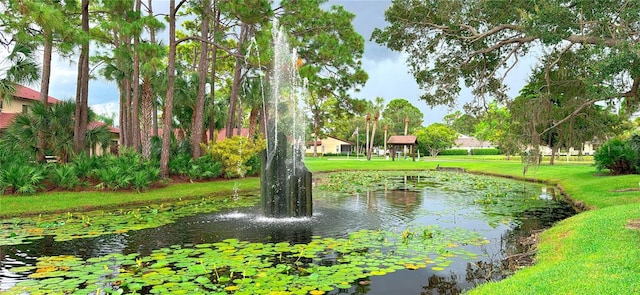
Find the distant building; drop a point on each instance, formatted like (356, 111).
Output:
(465, 142)
(330, 145)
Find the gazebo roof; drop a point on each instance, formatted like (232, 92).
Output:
(402, 139)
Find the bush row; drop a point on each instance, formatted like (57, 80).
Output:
(20, 174)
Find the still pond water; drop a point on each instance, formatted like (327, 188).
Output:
(383, 233)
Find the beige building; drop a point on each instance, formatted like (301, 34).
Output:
(329, 145)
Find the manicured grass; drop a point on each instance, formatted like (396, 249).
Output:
(77, 201)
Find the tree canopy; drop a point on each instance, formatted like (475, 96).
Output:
(435, 138)
(476, 44)
(395, 114)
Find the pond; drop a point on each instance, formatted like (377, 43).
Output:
(370, 233)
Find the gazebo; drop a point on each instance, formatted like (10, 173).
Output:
(402, 140)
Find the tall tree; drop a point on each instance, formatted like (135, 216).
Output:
(397, 111)
(82, 88)
(435, 138)
(329, 48)
(480, 42)
(556, 109)
(167, 113)
(496, 125)
(251, 16)
(197, 123)
(151, 54)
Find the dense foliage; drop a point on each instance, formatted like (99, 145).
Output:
(619, 156)
(435, 138)
(237, 154)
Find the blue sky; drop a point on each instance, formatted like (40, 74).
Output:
(388, 72)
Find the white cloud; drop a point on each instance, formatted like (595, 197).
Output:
(109, 109)
(390, 79)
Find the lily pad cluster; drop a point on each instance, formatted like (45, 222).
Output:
(68, 226)
(499, 200)
(239, 267)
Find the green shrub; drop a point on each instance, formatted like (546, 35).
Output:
(143, 178)
(234, 154)
(85, 165)
(618, 156)
(64, 176)
(487, 151)
(129, 170)
(205, 167)
(180, 164)
(21, 178)
(254, 165)
(453, 152)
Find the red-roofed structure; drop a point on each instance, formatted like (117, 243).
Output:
(28, 93)
(5, 119)
(96, 124)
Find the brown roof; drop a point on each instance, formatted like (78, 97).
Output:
(5, 119)
(28, 93)
(96, 124)
(402, 139)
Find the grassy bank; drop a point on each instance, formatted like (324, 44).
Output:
(591, 253)
(15, 205)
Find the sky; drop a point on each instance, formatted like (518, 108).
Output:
(388, 73)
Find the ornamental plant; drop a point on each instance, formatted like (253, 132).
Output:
(234, 153)
(618, 156)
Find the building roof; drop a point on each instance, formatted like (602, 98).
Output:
(469, 141)
(96, 124)
(28, 93)
(6, 119)
(402, 139)
(319, 142)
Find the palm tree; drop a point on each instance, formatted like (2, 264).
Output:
(56, 123)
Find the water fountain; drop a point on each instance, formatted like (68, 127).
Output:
(285, 181)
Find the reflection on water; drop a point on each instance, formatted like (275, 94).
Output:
(406, 201)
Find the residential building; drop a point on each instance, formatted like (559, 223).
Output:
(329, 145)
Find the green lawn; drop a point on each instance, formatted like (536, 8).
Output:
(591, 253)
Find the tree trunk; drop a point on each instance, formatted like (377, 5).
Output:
(373, 135)
(147, 109)
(235, 87)
(44, 91)
(214, 55)
(128, 139)
(316, 130)
(135, 84)
(553, 156)
(168, 108)
(82, 92)
(253, 121)
(122, 117)
(197, 123)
